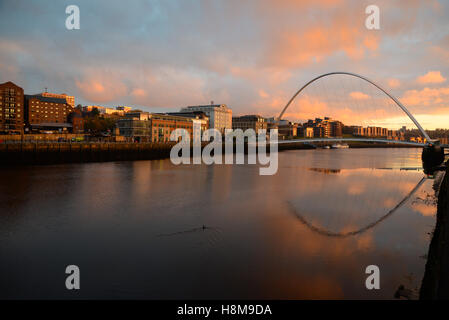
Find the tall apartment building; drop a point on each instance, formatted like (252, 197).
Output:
(47, 113)
(336, 129)
(254, 122)
(308, 132)
(325, 128)
(11, 108)
(220, 116)
(70, 100)
(376, 132)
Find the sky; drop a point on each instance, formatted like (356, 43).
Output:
(251, 55)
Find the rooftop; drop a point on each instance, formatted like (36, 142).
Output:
(45, 99)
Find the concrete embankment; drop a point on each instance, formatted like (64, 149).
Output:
(53, 153)
(435, 284)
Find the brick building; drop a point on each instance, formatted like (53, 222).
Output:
(46, 113)
(325, 128)
(154, 127)
(77, 121)
(69, 99)
(162, 125)
(11, 108)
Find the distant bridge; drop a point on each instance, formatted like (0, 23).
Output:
(313, 140)
(396, 101)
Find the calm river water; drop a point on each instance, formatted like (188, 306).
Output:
(135, 229)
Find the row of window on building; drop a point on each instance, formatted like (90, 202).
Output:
(21, 113)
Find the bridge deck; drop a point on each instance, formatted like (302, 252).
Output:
(334, 140)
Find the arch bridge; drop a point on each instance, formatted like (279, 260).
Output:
(433, 152)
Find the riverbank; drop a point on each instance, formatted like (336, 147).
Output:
(435, 284)
(56, 153)
(41, 153)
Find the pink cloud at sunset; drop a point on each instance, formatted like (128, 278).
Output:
(306, 107)
(359, 95)
(296, 49)
(100, 88)
(426, 97)
(431, 77)
(393, 83)
(263, 94)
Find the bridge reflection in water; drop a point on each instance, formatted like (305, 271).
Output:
(343, 234)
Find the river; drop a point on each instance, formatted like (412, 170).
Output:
(153, 230)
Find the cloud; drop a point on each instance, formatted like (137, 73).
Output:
(139, 95)
(306, 107)
(263, 94)
(357, 95)
(292, 49)
(251, 55)
(101, 86)
(431, 77)
(426, 97)
(393, 83)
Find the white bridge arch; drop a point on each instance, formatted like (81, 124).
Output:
(398, 103)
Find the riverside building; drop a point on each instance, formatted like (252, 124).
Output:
(156, 127)
(46, 113)
(254, 122)
(11, 108)
(69, 99)
(220, 116)
(324, 128)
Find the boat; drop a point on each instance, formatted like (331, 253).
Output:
(340, 146)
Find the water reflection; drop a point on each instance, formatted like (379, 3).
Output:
(136, 228)
(367, 227)
(326, 171)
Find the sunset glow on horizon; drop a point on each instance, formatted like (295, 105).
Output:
(252, 55)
